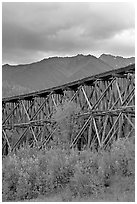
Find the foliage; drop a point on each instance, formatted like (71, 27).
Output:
(68, 125)
(32, 172)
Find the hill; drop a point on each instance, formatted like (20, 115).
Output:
(18, 79)
(117, 61)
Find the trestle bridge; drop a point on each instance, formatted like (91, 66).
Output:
(107, 111)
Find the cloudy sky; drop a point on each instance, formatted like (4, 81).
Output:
(33, 31)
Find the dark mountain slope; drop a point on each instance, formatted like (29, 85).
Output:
(56, 71)
(92, 66)
(51, 72)
(12, 89)
(117, 61)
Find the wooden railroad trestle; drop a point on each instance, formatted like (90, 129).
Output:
(107, 103)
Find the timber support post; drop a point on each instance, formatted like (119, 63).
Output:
(107, 111)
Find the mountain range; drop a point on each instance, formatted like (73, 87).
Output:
(19, 79)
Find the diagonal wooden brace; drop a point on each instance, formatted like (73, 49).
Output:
(29, 121)
(88, 120)
(23, 134)
(94, 122)
(10, 113)
(4, 133)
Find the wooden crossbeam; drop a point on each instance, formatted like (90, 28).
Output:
(103, 94)
(111, 138)
(129, 121)
(94, 122)
(54, 101)
(95, 138)
(89, 99)
(103, 142)
(103, 114)
(129, 133)
(10, 113)
(119, 92)
(40, 108)
(29, 121)
(86, 98)
(32, 103)
(87, 122)
(23, 134)
(49, 137)
(4, 133)
(106, 120)
(110, 111)
(115, 121)
(128, 96)
(85, 125)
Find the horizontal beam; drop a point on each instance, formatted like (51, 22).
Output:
(30, 123)
(132, 113)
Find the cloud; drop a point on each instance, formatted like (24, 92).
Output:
(31, 31)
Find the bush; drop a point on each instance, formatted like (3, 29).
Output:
(10, 175)
(32, 172)
(123, 157)
(36, 174)
(65, 115)
(86, 180)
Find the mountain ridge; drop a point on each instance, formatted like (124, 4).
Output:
(117, 61)
(55, 71)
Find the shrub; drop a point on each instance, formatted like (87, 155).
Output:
(60, 168)
(122, 157)
(65, 116)
(32, 172)
(86, 180)
(38, 174)
(10, 175)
